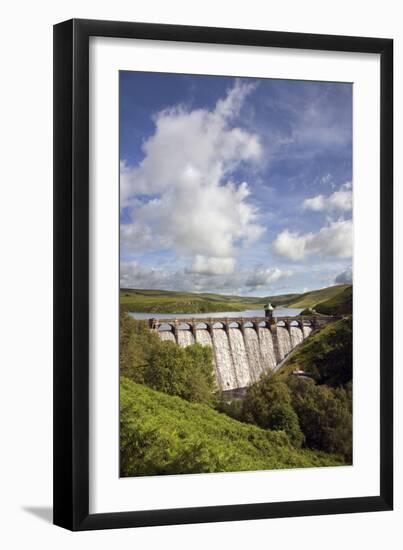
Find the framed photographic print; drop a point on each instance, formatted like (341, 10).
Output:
(223, 321)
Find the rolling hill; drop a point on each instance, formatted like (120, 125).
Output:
(280, 300)
(326, 355)
(314, 297)
(166, 301)
(340, 304)
(162, 434)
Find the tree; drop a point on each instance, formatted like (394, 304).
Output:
(137, 343)
(165, 366)
(268, 404)
(185, 372)
(324, 415)
(201, 379)
(166, 369)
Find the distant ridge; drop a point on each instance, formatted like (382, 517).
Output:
(314, 297)
(171, 301)
(340, 304)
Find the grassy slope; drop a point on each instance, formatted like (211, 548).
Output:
(165, 301)
(281, 299)
(162, 434)
(311, 299)
(340, 304)
(326, 355)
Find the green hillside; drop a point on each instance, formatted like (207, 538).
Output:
(165, 301)
(162, 434)
(340, 304)
(281, 299)
(314, 297)
(326, 355)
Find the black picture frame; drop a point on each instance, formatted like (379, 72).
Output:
(71, 274)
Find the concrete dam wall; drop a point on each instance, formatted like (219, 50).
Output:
(243, 349)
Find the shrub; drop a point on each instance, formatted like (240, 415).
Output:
(324, 415)
(164, 366)
(137, 343)
(186, 372)
(268, 404)
(162, 434)
(231, 407)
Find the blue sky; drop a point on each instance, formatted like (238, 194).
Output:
(234, 185)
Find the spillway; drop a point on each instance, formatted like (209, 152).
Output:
(239, 357)
(241, 353)
(203, 337)
(185, 338)
(267, 348)
(253, 350)
(223, 357)
(167, 336)
(284, 342)
(296, 336)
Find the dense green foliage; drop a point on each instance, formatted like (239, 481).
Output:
(268, 404)
(324, 415)
(186, 372)
(137, 343)
(322, 405)
(326, 355)
(231, 406)
(316, 415)
(163, 434)
(164, 366)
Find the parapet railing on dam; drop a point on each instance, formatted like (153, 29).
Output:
(243, 347)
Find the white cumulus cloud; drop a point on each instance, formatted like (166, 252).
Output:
(211, 276)
(333, 240)
(262, 276)
(212, 266)
(342, 199)
(181, 196)
(135, 275)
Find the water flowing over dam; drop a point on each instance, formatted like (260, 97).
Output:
(243, 348)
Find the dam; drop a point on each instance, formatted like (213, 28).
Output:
(243, 348)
